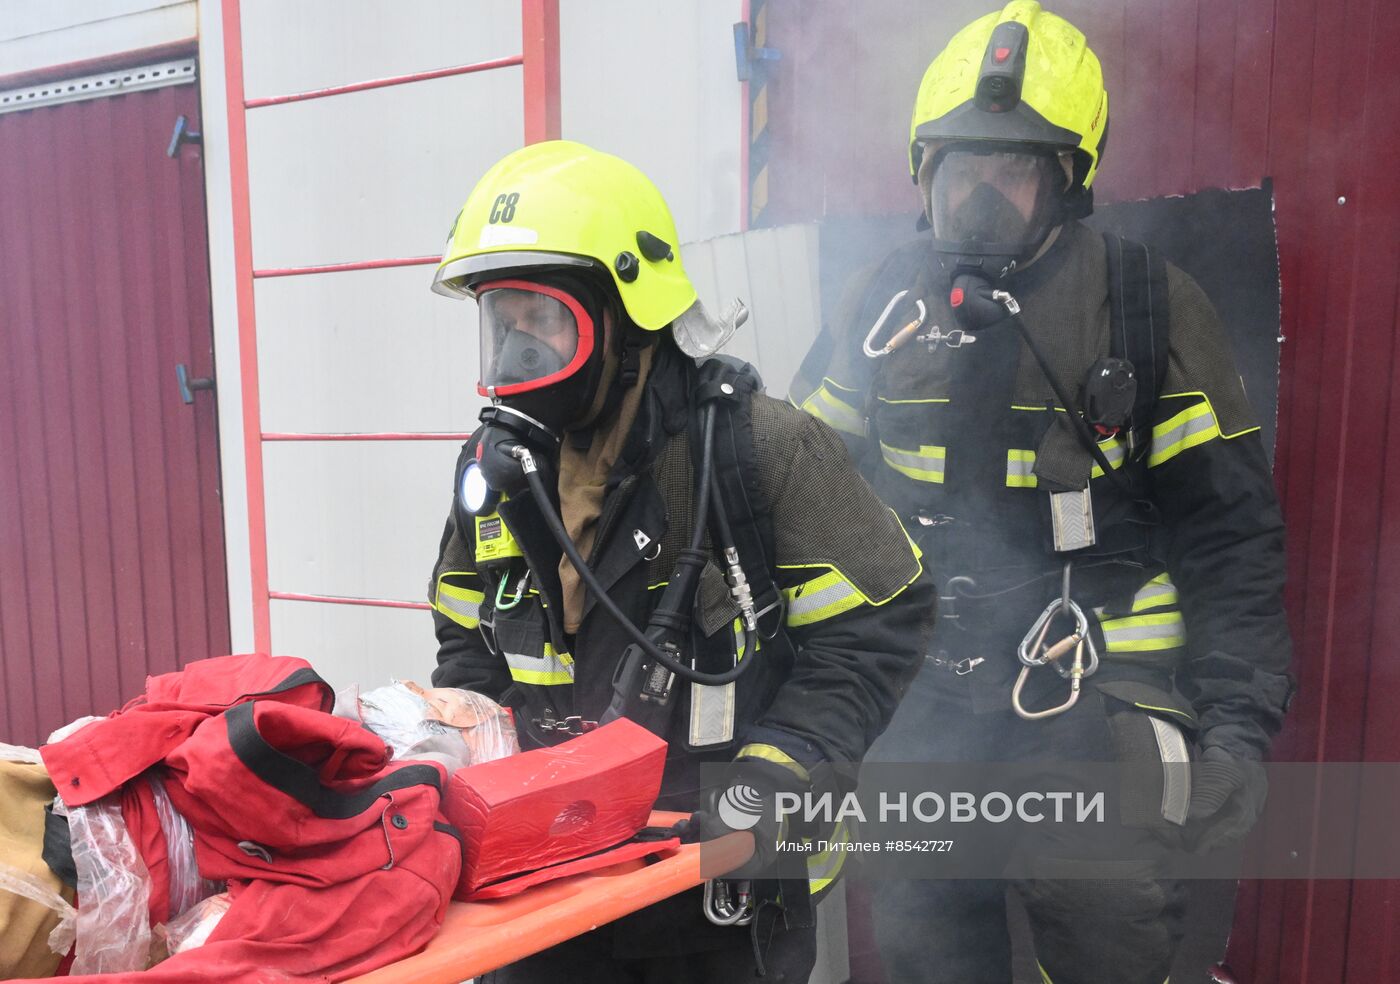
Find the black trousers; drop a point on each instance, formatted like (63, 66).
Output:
(1123, 928)
(672, 943)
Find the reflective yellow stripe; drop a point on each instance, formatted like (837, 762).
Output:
(462, 605)
(824, 867)
(774, 754)
(923, 465)
(1144, 633)
(1156, 593)
(821, 598)
(739, 646)
(1192, 427)
(1115, 451)
(1020, 469)
(553, 669)
(826, 406)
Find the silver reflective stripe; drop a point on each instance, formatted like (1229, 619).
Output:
(1193, 426)
(827, 406)
(825, 596)
(1176, 770)
(1145, 633)
(1156, 593)
(923, 465)
(460, 606)
(1115, 451)
(550, 670)
(1020, 469)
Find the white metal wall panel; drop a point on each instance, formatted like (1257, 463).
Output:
(365, 646)
(379, 174)
(374, 174)
(655, 83)
(358, 519)
(775, 272)
(38, 34)
(368, 351)
(315, 44)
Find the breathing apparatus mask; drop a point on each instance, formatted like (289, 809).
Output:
(991, 207)
(543, 362)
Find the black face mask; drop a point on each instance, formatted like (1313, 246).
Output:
(523, 356)
(987, 218)
(985, 232)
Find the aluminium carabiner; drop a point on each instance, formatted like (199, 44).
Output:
(899, 337)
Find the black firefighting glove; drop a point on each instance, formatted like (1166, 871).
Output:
(1227, 796)
(748, 801)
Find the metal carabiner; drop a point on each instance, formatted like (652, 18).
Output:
(728, 909)
(1076, 677)
(899, 337)
(520, 587)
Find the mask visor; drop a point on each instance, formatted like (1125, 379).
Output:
(993, 200)
(532, 336)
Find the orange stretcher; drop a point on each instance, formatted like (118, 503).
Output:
(481, 936)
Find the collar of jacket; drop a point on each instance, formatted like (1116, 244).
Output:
(663, 413)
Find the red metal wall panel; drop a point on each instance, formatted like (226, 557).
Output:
(111, 529)
(1213, 93)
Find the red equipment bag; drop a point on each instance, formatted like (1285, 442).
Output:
(555, 804)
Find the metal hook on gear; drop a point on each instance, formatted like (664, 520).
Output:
(1034, 652)
(899, 337)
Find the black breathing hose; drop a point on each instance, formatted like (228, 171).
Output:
(726, 537)
(566, 543)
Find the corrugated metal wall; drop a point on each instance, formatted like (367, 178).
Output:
(111, 535)
(1213, 93)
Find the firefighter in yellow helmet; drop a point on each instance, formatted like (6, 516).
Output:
(1055, 415)
(637, 531)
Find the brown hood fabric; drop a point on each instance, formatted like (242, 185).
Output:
(583, 481)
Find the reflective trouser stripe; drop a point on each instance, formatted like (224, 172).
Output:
(826, 406)
(1144, 633)
(550, 670)
(825, 866)
(462, 605)
(1156, 593)
(923, 465)
(820, 598)
(1020, 469)
(1193, 426)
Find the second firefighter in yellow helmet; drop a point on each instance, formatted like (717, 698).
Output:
(1008, 129)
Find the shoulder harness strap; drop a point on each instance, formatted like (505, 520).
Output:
(732, 383)
(1139, 316)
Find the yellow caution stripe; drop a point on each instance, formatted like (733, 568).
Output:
(1190, 428)
(1152, 632)
(924, 464)
(833, 405)
(458, 602)
(551, 669)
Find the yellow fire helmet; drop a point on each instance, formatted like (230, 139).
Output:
(1018, 76)
(563, 204)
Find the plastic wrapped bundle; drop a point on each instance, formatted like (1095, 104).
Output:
(457, 728)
